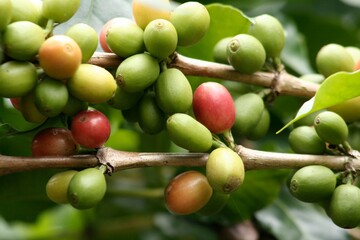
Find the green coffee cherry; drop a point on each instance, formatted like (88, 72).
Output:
(188, 133)
(269, 31)
(151, 119)
(22, 40)
(312, 183)
(6, 13)
(249, 108)
(225, 170)
(333, 58)
(173, 91)
(191, 21)
(262, 126)
(86, 37)
(17, 78)
(25, 10)
(220, 52)
(57, 186)
(344, 206)
(125, 38)
(60, 11)
(124, 100)
(137, 72)
(51, 97)
(160, 38)
(331, 127)
(305, 140)
(246, 54)
(86, 188)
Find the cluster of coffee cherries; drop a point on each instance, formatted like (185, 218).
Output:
(258, 48)
(325, 132)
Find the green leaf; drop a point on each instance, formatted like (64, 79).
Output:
(259, 189)
(288, 218)
(23, 196)
(336, 89)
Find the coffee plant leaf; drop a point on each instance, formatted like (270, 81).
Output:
(288, 218)
(335, 89)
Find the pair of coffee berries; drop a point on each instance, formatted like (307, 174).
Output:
(156, 29)
(82, 189)
(326, 128)
(248, 52)
(193, 192)
(318, 184)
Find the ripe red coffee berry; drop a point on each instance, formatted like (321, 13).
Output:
(90, 128)
(53, 142)
(214, 107)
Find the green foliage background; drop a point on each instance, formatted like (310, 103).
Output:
(133, 207)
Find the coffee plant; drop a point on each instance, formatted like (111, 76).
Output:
(179, 120)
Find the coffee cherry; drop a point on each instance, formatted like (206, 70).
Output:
(188, 133)
(160, 38)
(333, 58)
(22, 40)
(249, 108)
(173, 91)
(90, 128)
(214, 107)
(17, 78)
(124, 37)
(86, 188)
(344, 206)
(145, 11)
(225, 170)
(269, 31)
(191, 21)
(53, 142)
(91, 83)
(215, 204)
(137, 72)
(5, 17)
(151, 119)
(220, 50)
(86, 37)
(331, 127)
(124, 100)
(51, 97)
(60, 11)
(262, 126)
(354, 52)
(29, 110)
(57, 186)
(246, 54)
(305, 140)
(312, 183)
(60, 56)
(187, 193)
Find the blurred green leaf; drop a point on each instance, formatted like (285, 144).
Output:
(23, 196)
(287, 218)
(259, 189)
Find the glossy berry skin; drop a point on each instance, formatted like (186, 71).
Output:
(214, 107)
(57, 186)
(144, 11)
(53, 142)
(187, 193)
(103, 33)
(90, 128)
(60, 11)
(86, 188)
(60, 56)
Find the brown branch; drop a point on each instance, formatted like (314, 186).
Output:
(283, 83)
(121, 160)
